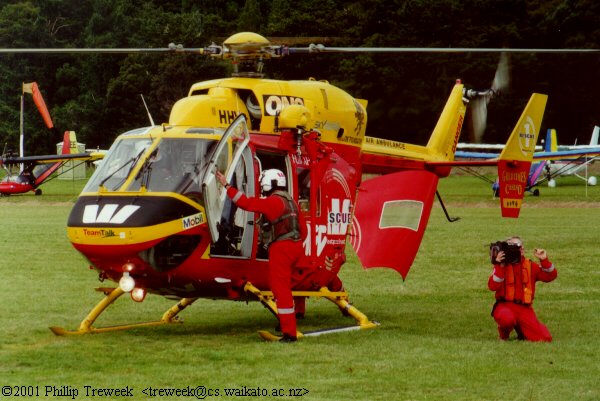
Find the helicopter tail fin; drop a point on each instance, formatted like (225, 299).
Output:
(444, 139)
(515, 160)
(380, 155)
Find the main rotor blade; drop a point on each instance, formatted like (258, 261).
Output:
(215, 50)
(174, 49)
(323, 49)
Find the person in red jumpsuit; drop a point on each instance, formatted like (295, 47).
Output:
(514, 284)
(288, 229)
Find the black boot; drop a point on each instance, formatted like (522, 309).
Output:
(288, 338)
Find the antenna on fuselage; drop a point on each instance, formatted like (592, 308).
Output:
(147, 110)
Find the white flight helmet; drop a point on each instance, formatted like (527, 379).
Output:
(267, 177)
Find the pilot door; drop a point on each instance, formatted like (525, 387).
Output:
(231, 228)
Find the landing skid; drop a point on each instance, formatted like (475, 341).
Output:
(265, 297)
(268, 336)
(339, 298)
(111, 295)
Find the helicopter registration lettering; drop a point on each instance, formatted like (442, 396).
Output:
(192, 221)
(227, 116)
(301, 161)
(275, 103)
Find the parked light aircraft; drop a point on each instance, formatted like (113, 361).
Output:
(26, 173)
(550, 161)
(574, 163)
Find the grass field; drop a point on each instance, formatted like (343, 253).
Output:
(436, 341)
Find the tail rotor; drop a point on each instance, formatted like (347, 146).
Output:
(479, 99)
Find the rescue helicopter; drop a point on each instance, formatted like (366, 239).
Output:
(154, 219)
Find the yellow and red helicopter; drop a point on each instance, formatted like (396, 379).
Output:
(154, 219)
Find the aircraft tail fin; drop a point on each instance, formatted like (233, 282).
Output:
(595, 133)
(66, 145)
(515, 159)
(551, 144)
(444, 139)
(69, 143)
(69, 146)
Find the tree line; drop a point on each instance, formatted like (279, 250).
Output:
(98, 95)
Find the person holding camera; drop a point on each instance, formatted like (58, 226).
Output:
(513, 279)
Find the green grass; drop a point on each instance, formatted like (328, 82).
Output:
(436, 341)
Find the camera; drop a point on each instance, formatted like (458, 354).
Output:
(512, 252)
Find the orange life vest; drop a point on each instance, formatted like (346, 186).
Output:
(511, 280)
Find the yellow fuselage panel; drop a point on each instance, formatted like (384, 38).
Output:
(338, 116)
(217, 109)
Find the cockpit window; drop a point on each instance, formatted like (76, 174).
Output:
(117, 164)
(173, 165)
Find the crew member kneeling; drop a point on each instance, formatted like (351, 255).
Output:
(513, 279)
(289, 231)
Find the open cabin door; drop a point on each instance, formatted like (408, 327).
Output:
(390, 218)
(230, 157)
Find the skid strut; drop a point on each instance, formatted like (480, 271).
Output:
(340, 298)
(111, 295)
(265, 297)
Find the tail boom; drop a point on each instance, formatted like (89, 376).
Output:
(387, 156)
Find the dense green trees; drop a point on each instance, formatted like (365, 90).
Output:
(99, 95)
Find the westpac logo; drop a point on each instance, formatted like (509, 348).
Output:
(110, 213)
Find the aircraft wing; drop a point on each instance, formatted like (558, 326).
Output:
(464, 154)
(567, 154)
(556, 155)
(42, 167)
(468, 147)
(9, 160)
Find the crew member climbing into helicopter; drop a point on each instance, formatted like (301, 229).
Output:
(285, 249)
